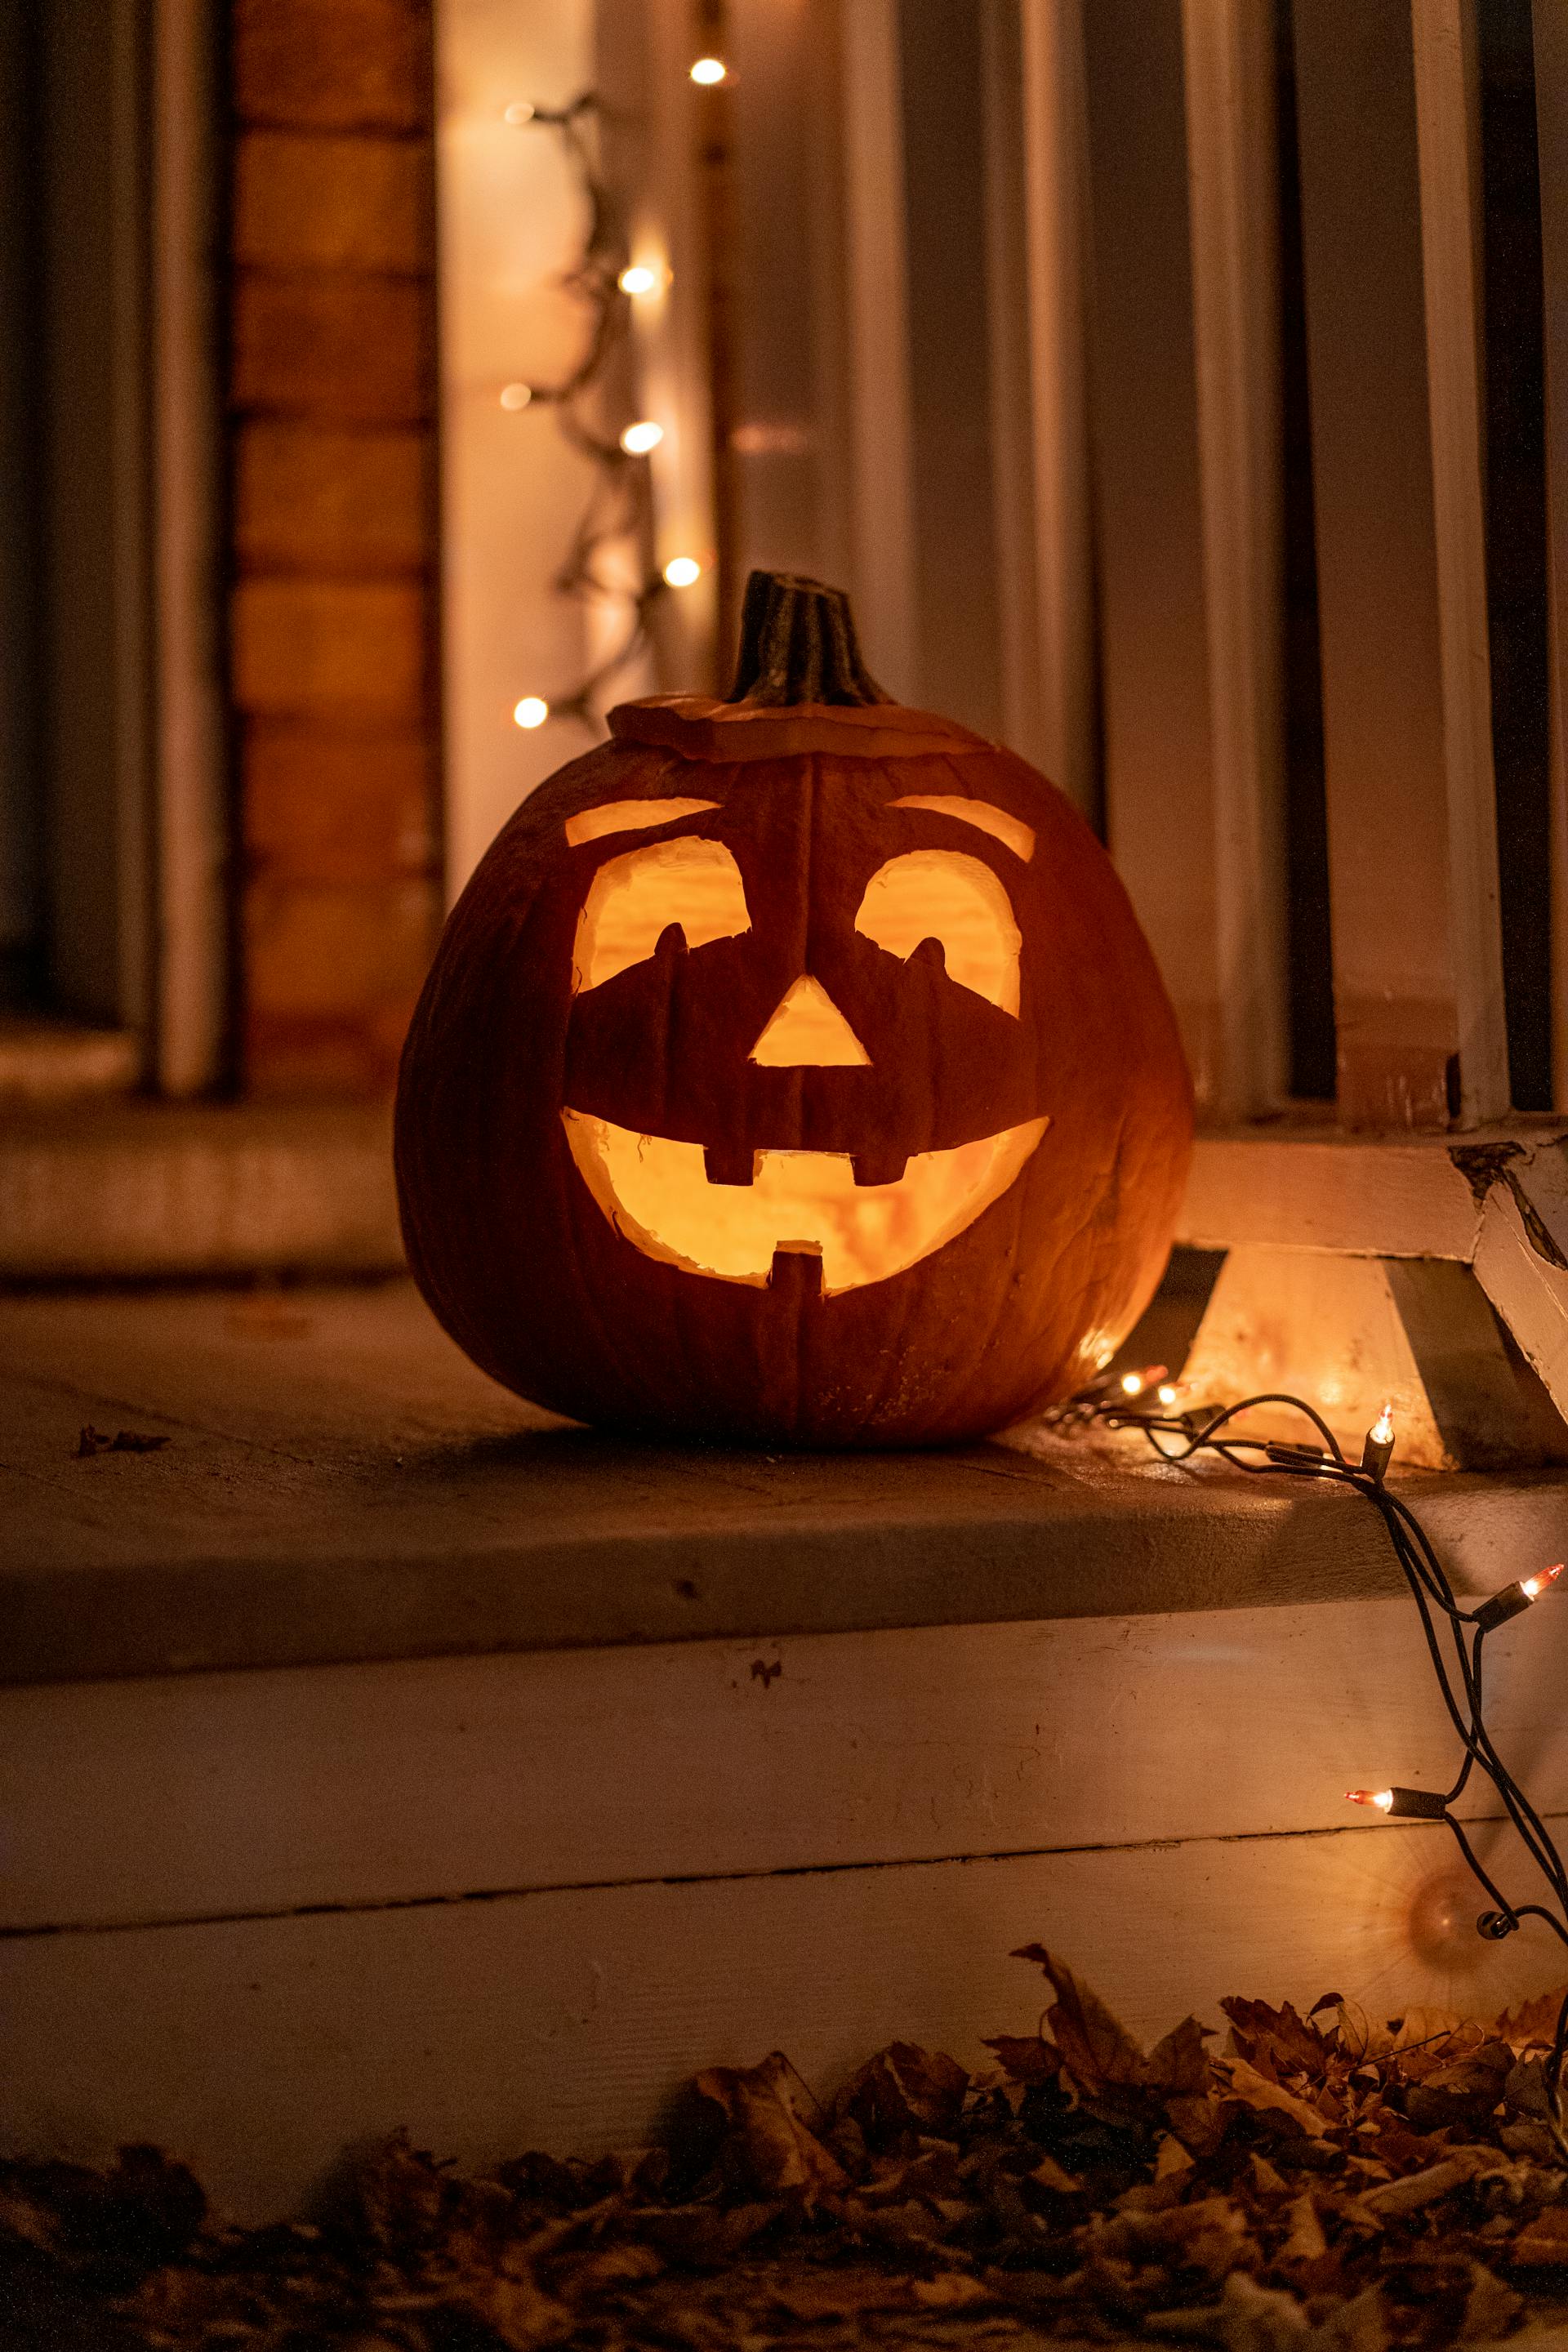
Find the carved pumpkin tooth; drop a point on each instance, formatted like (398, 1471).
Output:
(879, 1167)
(727, 1163)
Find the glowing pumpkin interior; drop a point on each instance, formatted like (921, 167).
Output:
(685, 891)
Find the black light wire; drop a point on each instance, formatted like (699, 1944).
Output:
(1178, 1437)
(620, 504)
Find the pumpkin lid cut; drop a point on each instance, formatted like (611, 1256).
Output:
(800, 685)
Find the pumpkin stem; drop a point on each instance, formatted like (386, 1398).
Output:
(797, 644)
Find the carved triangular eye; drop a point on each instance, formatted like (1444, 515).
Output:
(932, 953)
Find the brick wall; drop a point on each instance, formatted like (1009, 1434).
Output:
(332, 394)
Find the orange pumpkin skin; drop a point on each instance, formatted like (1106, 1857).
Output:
(541, 1282)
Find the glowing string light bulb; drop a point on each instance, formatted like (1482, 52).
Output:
(639, 438)
(1167, 1394)
(708, 72)
(636, 280)
(1404, 1804)
(682, 572)
(532, 712)
(518, 114)
(514, 396)
(1377, 1447)
(1515, 1599)
(1131, 1384)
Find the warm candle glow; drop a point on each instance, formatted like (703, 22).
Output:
(532, 712)
(682, 572)
(709, 70)
(516, 395)
(638, 439)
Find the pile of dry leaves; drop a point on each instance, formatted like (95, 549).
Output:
(1328, 2185)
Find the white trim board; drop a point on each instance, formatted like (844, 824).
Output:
(203, 1797)
(257, 2051)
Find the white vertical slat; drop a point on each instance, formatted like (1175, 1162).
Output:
(1231, 134)
(1054, 168)
(882, 518)
(1011, 419)
(191, 947)
(1385, 98)
(1448, 121)
(1184, 396)
(1550, 30)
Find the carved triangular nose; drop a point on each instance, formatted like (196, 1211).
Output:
(807, 1028)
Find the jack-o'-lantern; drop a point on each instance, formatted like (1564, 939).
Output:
(792, 1069)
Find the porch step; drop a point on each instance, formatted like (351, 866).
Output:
(380, 1751)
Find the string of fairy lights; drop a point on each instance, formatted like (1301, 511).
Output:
(619, 510)
(1177, 1435)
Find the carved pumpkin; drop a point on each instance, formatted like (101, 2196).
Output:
(792, 1069)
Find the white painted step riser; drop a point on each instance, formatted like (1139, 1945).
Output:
(258, 2050)
(219, 1795)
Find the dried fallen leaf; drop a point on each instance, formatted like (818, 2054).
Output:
(1278, 2039)
(1098, 2050)
(904, 2089)
(1305, 2240)
(1543, 2243)
(1416, 2190)
(1254, 2090)
(1533, 2023)
(1027, 2058)
(124, 1441)
(771, 2144)
(1095, 2047)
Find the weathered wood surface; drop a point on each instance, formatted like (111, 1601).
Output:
(1316, 1187)
(138, 1189)
(341, 1484)
(257, 2048)
(205, 1796)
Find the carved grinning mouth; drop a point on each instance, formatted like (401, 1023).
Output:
(658, 1195)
